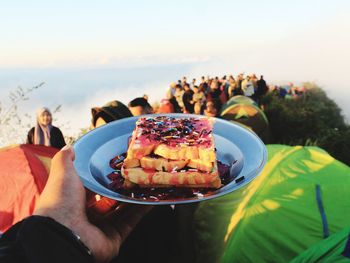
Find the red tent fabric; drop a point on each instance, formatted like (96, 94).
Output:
(24, 171)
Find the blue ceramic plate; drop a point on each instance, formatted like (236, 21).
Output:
(234, 144)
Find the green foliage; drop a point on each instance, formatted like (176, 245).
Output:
(310, 119)
(337, 143)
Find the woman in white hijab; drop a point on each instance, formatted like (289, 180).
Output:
(44, 133)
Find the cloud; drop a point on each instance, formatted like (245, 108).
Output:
(78, 115)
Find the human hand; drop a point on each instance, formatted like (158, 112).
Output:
(63, 199)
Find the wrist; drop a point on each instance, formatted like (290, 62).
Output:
(81, 243)
(72, 222)
(52, 231)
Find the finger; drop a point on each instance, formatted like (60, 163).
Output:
(98, 210)
(115, 211)
(63, 159)
(105, 215)
(68, 152)
(64, 185)
(90, 197)
(124, 210)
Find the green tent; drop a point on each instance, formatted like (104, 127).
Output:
(248, 115)
(336, 248)
(301, 197)
(239, 99)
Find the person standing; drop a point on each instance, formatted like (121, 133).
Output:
(215, 95)
(179, 92)
(187, 99)
(44, 133)
(261, 89)
(248, 87)
(193, 83)
(198, 100)
(232, 86)
(210, 109)
(204, 85)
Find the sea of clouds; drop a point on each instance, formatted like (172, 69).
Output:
(77, 90)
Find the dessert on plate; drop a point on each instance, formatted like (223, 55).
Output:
(172, 152)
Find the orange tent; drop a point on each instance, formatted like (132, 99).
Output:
(24, 171)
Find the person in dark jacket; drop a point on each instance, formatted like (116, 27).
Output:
(111, 111)
(187, 99)
(261, 89)
(140, 106)
(214, 95)
(44, 133)
(60, 231)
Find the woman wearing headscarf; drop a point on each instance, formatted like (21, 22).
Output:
(44, 133)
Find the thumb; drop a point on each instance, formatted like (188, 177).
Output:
(68, 152)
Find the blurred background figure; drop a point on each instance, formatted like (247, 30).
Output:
(171, 91)
(232, 87)
(210, 109)
(111, 111)
(179, 92)
(214, 94)
(155, 106)
(165, 107)
(44, 133)
(203, 86)
(193, 83)
(187, 99)
(197, 108)
(261, 89)
(198, 100)
(184, 81)
(248, 87)
(140, 106)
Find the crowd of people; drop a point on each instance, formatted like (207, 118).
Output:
(209, 94)
(56, 216)
(288, 91)
(195, 97)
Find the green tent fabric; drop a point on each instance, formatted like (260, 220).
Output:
(239, 99)
(246, 111)
(275, 217)
(336, 248)
(248, 115)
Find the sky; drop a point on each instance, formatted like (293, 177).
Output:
(128, 47)
(76, 33)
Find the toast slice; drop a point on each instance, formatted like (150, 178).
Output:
(131, 163)
(176, 139)
(201, 165)
(183, 178)
(162, 164)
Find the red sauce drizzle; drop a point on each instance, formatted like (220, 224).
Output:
(165, 194)
(172, 132)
